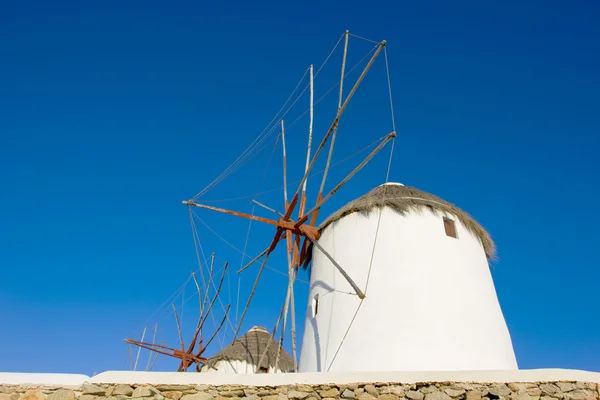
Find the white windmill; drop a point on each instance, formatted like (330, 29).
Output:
(430, 302)
(400, 278)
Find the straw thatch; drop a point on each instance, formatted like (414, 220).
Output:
(403, 199)
(251, 347)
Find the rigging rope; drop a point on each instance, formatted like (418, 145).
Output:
(198, 244)
(298, 180)
(362, 38)
(251, 151)
(266, 266)
(251, 147)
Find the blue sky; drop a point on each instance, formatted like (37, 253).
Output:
(112, 113)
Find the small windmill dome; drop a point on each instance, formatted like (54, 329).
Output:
(244, 354)
(430, 302)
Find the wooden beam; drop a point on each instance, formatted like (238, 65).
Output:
(283, 223)
(339, 268)
(347, 178)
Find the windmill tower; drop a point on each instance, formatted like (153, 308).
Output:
(430, 302)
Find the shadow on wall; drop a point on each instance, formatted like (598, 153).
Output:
(313, 320)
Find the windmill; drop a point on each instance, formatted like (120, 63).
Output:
(300, 233)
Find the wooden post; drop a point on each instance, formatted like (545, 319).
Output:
(340, 112)
(347, 178)
(339, 268)
(153, 341)
(333, 136)
(139, 349)
(260, 271)
(285, 198)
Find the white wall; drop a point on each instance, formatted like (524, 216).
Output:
(235, 367)
(186, 378)
(430, 303)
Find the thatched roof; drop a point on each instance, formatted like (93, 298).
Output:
(250, 348)
(405, 198)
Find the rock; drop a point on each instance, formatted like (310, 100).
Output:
(305, 388)
(179, 388)
(581, 395)
(124, 390)
(534, 392)
(437, 396)
(454, 392)
(232, 393)
(394, 389)
(251, 397)
(517, 387)
(520, 396)
(428, 389)
(352, 386)
(348, 394)
(34, 394)
(296, 395)
(565, 386)
(7, 396)
(62, 394)
(549, 389)
(388, 396)
(270, 397)
(266, 392)
(142, 391)
(579, 385)
(282, 396)
(333, 392)
(473, 395)
(312, 398)
(372, 390)
(92, 389)
(365, 396)
(414, 395)
(329, 398)
(174, 395)
(202, 388)
(500, 390)
(90, 397)
(198, 396)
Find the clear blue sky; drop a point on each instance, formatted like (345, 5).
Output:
(111, 113)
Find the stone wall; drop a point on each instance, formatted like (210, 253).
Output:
(550, 390)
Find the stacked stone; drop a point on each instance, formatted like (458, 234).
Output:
(369, 391)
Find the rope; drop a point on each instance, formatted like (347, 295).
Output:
(362, 38)
(169, 300)
(266, 266)
(346, 334)
(298, 180)
(251, 147)
(262, 181)
(252, 151)
(246, 154)
(198, 244)
(387, 70)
